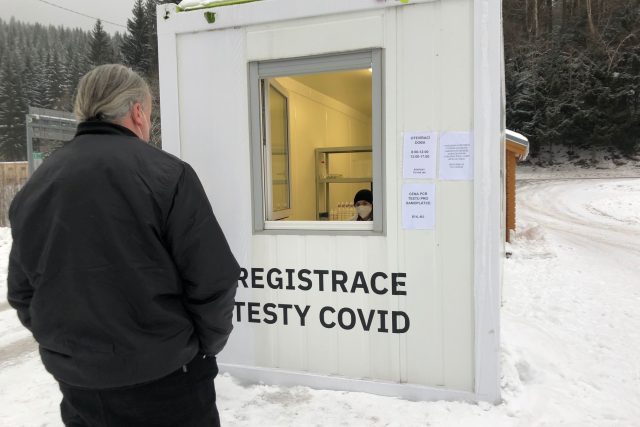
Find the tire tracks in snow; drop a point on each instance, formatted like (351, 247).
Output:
(542, 201)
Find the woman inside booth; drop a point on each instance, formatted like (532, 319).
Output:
(363, 202)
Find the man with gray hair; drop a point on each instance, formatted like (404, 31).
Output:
(120, 269)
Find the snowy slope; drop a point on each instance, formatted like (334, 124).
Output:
(572, 303)
(570, 332)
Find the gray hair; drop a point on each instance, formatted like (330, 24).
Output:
(108, 92)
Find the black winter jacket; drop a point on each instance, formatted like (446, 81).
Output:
(118, 265)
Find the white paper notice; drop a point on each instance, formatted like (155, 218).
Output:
(418, 206)
(420, 155)
(456, 156)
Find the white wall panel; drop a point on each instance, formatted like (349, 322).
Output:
(315, 36)
(419, 96)
(214, 126)
(265, 350)
(456, 63)
(436, 94)
(383, 348)
(456, 204)
(322, 356)
(455, 258)
(291, 339)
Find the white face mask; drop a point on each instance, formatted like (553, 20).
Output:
(363, 210)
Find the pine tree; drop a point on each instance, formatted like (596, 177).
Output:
(136, 44)
(116, 42)
(100, 50)
(75, 69)
(152, 30)
(13, 108)
(54, 80)
(30, 80)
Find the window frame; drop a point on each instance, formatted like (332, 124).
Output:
(345, 61)
(267, 147)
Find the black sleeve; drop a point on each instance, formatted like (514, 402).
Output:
(20, 291)
(204, 261)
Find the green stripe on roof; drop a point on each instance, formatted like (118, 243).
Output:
(218, 3)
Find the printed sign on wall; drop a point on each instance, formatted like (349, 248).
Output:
(289, 281)
(418, 206)
(456, 156)
(419, 155)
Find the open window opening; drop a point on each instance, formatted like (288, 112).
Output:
(316, 130)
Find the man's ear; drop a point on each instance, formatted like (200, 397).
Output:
(136, 114)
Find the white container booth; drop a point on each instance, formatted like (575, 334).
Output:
(287, 108)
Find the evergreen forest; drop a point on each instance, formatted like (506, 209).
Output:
(41, 66)
(572, 71)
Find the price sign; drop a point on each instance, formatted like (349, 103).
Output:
(418, 206)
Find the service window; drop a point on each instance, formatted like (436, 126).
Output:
(316, 142)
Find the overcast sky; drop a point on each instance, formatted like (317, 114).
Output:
(117, 11)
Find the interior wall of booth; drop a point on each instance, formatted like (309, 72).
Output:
(319, 121)
(428, 86)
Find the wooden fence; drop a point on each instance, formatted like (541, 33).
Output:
(13, 175)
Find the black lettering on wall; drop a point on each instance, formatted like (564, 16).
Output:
(290, 285)
(268, 311)
(394, 322)
(243, 277)
(256, 278)
(238, 305)
(395, 283)
(253, 312)
(277, 284)
(321, 274)
(383, 320)
(366, 323)
(359, 282)
(302, 313)
(323, 321)
(346, 312)
(285, 312)
(338, 278)
(303, 277)
(374, 288)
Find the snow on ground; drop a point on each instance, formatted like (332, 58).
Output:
(570, 332)
(571, 312)
(529, 171)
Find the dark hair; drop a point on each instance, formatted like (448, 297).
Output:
(363, 194)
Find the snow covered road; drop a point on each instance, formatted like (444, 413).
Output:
(570, 332)
(600, 213)
(571, 314)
